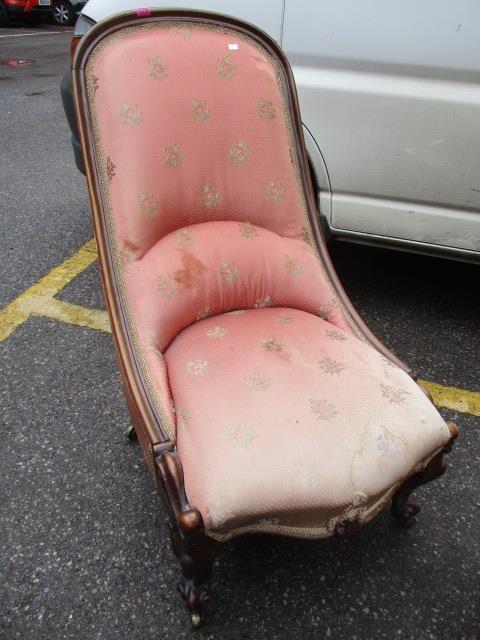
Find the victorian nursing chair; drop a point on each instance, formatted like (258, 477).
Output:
(261, 401)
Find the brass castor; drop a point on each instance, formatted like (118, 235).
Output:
(196, 620)
(130, 433)
(196, 598)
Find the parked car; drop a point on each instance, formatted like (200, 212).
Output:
(390, 101)
(26, 10)
(65, 12)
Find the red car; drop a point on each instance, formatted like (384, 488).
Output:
(26, 10)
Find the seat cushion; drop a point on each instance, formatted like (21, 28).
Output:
(288, 424)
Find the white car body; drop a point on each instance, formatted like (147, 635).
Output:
(390, 102)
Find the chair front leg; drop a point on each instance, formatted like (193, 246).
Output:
(195, 553)
(193, 548)
(402, 509)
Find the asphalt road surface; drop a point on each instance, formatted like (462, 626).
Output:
(84, 545)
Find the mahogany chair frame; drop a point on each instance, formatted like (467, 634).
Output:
(192, 546)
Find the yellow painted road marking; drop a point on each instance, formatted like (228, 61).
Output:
(40, 300)
(74, 314)
(452, 398)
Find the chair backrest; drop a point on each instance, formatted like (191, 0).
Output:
(198, 176)
(193, 125)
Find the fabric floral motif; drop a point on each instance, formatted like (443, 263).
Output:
(237, 312)
(110, 169)
(197, 367)
(387, 445)
(333, 334)
(241, 436)
(272, 345)
(166, 286)
(325, 310)
(238, 152)
(184, 417)
(217, 506)
(214, 509)
(258, 382)
(157, 68)
(130, 114)
(333, 367)
(226, 67)
(275, 191)
(304, 468)
(184, 239)
(322, 409)
(210, 196)
(153, 340)
(262, 303)
(181, 32)
(217, 332)
(172, 156)
(265, 109)
(126, 256)
(292, 266)
(388, 362)
(284, 319)
(393, 394)
(200, 110)
(229, 271)
(147, 204)
(204, 312)
(248, 230)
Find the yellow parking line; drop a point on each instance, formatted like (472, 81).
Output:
(74, 314)
(36, 299)
(452, 398)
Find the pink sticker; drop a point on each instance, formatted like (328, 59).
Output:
(142, 13)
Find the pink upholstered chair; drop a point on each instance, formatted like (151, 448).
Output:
(262, 402)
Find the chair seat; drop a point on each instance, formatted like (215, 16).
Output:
(285, 423)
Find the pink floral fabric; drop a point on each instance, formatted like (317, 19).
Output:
(194, 131)
(288, 423)
(213, 267)
(283, 419)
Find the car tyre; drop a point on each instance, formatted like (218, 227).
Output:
(63, 13)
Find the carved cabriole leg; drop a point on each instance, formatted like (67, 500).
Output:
(195, 553)
(194, 549)
(404, 511)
